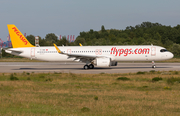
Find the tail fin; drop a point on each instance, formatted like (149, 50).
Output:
(17, 38)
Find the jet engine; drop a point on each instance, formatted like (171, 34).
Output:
(113, 63)
(102, 62)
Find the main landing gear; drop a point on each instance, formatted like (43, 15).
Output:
(91, 66)
(153, 64)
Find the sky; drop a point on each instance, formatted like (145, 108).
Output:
(70, 17)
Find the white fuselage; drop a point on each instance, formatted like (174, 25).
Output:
(115, 53)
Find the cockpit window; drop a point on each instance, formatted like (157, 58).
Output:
(163, 50)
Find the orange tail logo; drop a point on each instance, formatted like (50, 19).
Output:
(20, 36)
(17, 38)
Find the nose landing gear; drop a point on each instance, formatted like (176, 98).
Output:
(153, 65)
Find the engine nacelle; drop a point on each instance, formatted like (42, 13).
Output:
(102, 62)
(113, 63)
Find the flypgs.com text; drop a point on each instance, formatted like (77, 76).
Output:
(118, 52)
(20, 36)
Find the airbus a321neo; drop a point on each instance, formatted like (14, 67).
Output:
(100, 56)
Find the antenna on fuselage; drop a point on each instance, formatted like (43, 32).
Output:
(151, 44)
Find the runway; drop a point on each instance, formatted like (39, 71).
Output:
(45, 67)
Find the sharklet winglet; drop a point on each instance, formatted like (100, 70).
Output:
(80, 44)
(58, 50)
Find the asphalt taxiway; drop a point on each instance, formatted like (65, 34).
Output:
(45, 67)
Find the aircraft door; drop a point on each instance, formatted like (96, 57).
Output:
(32, 52)
(153, 51)
(69, 51)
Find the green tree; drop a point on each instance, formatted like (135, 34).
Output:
(103, 29)
(31, 39)
(43, 42)
(91, 31)
(51, 38)
(146, 36)
(178, 39)
(63, 41)
(144, 33)
(79, 40)
(96, 35)
(4, 54)
(140, 41)
(83, 34)
(112, 38)
(167, 43)
(157, 36)
(175, 49)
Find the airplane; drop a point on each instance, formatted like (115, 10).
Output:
(100, 56)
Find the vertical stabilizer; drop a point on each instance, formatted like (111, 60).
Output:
(17, 38)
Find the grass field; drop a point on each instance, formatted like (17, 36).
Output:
(142, 93)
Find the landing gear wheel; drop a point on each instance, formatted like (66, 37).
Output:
(91, 66)
(154, 66)
(86, 67)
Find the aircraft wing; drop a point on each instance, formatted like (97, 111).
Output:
(78, 56)
(81, 56)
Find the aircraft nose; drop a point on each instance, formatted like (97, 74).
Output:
(171, 55)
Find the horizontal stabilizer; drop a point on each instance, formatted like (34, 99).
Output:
(14, 51)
